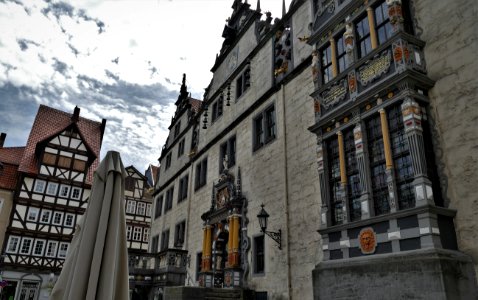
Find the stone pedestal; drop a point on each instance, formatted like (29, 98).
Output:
(419, 274)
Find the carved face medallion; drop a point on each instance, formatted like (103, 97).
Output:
(368, 240)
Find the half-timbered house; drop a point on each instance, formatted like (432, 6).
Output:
(53, 184)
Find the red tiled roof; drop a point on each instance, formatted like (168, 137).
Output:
(11, 155)
(50, 122)
(8, 176)
(195, 104)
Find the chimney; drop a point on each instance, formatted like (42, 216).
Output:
(76, 115)
(3, 136)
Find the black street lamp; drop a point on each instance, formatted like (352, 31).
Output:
(276, 236)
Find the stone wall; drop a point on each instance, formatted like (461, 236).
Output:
(6, 200)
(450, 31)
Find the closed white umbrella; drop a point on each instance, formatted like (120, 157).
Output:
(97, 264)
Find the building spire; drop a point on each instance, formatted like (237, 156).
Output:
(283, 8)
(258, 9)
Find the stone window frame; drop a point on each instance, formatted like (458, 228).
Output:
(183, 188)
(255, 238)
(179, 234)
(164, 240)
(154, 244)
(217, 108)
(168, 161)
(200, 179)
(158, 208)
(169, 199)
(264, 127)
(181, 145)
(177, 129)
(326, 64)
(243, 82)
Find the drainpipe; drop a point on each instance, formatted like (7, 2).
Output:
(286, 192)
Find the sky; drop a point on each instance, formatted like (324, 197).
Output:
(115, 59)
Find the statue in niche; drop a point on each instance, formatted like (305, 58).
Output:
(225, 162)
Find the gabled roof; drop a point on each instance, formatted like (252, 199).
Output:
(50, 122)
(9, 160)
(132, 168)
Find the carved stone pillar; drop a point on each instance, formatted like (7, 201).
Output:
(333, 52)
(324, 216)
(412, 119)
(371, 23)
(361, 166)
(395, 14)
(343, 177)
(392, 194)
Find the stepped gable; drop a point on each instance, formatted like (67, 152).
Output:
(50, 122)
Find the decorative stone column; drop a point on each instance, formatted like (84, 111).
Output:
(236, 259)
(206, 276)
(343, 177)
(360, 156)
(395, 14)
(392, 194)
(230, 260)
(324, 195)
(412, 119)
(333, 52)
(371, 24)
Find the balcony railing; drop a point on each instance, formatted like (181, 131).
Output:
(165, 268)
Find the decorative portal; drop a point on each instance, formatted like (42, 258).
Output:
(368, 240)
(225, 263)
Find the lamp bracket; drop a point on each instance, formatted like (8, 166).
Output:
(276, 236)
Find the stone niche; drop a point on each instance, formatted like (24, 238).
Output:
(433, 274)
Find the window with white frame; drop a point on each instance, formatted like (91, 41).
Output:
(26, 246)
(75, 193)
(69, 220)
(39, 186)
(131, 207)
(52, 188)
(57, 218)
(141, 208)
(13, 243)
(148, 210)
(64, 191)
(39, 247)
(45, 216)
(63, 250)
(129, 230)
(146, 235)
(33, 214)
(137, 233)
(51, 247)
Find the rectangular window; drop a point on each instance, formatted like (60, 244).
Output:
(168, 161)
(382, 23)
(69, 220)
(57, 218)
(179, 234)
(158, 209)
(141, 208)
(326, 66)
(51, 248)
(13, 243)
(129, 184)
(243, 82)
(264, 130)
(334, 180)
(198, 265)
(228, 148)
(131, 207)
(259, 255)
(75, 193)
(45, 216)
(165, 240)
(26, 246)
(64, 191)
(39, 247)
(342, 61)
(169, 199)
(217, 108)
(145, 235)
(148, 210)
(154, 244)
(353, 179)
(137, 233)
(201, 174)
(177, 129)
(52, 188)
(183, 188)
(181, 147)
(33, 214)
(363, 36)
(39, 186)
(129, 232)
(63, 251)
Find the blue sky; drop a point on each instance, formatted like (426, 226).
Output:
(116, 59)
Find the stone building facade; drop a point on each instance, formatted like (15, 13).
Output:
(340, 117)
